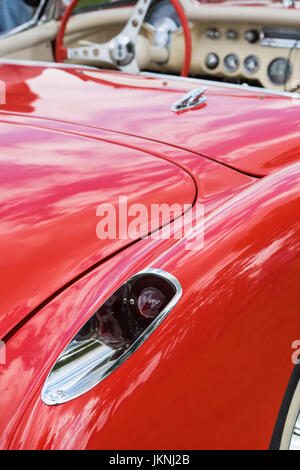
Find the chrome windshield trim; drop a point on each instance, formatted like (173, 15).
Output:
(198, 81)
(76, 377)
(40, 63)
(46, 11)
(244, 86)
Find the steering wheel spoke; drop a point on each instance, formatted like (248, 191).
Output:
(90, 52)
(119, 51)
(134, 24)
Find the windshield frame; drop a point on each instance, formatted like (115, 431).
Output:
(53, 10)
(47, 10)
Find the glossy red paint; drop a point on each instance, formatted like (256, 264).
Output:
(62, 172)
(261, 3)
(51, 186)
(222, 357)
(49, 236)
(230, 128)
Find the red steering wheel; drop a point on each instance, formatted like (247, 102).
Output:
(62, 53)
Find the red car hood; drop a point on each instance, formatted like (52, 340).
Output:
(231, 128)
(51, 185)
(265, 3)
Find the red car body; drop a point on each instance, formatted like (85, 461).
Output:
(214, 373)
(262, 3)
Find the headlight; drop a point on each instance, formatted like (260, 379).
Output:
(112, 334)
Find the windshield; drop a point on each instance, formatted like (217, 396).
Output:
(241, 2)
(86, 5)
(14, 13)
(17, 13)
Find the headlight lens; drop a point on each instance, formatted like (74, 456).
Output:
(112, 334)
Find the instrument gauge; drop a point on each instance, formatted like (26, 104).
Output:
(279, 71)
(231, 63)
(251, 64)
(212, 61)
(231, 34)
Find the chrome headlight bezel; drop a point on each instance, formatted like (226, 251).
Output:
(88, 359)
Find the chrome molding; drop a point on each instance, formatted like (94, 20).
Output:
(280, 37)
(70, 378)
(36, 63)
(190, 100)
(244, 86)
(295, 439)
(280, 42)
(198, 81)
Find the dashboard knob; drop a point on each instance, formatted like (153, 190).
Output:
(231, 34)
(252, 35)
(212, 60)
(212, 33)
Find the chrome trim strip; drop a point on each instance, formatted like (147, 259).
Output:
(36, 63)
(280, 42)
(244, 86)
(270, 37)
(198, 81)
(190, 100)
(85, 375)
(295, 439)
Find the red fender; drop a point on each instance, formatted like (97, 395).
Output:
(212, 375)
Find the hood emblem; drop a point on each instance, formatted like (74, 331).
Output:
(190, 100)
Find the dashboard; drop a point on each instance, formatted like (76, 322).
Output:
(244, 53)
(257, 54)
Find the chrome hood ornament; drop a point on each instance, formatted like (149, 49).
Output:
(190, 100)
